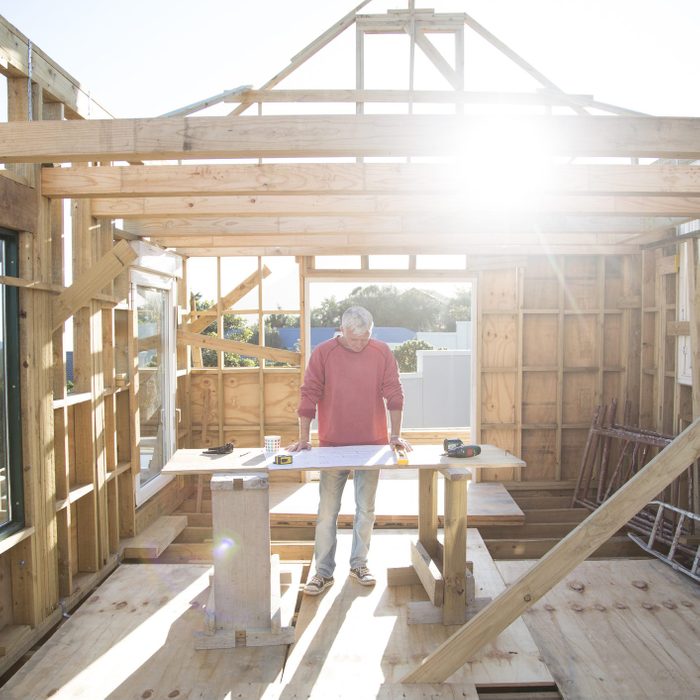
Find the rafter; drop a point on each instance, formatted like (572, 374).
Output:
(310, 50)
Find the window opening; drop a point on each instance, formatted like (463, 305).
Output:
(427, 325)
(11, 483)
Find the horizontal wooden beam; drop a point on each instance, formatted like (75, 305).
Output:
(358, 178)
(59, 85)
(498, 224)
(397, 243)
(487, 248)
(395, 20)
(369, 205)
(350, 136)
(246, 349)
(543, 97)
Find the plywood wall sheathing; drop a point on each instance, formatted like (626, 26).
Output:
(553, 344)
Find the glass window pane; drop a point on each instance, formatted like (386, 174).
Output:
(152, 362)
(243, 329)
(281, 331)
(281, 286)
(5, 500)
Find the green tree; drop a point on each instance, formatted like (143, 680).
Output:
(328, 313)
(235, 328)
(405, 354)
(417, 309)
(458, 308)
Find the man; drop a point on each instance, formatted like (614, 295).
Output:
(353, 380)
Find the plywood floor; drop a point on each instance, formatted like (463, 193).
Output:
(358, 639)
(133, 639)
(620, 630)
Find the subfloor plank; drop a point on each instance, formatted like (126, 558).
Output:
(134, 639)
(359, 639)
(618, 629)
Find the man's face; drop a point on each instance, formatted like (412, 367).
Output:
(356, 342)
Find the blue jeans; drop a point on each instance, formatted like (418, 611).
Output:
(330, 491)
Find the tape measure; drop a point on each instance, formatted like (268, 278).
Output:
(283, 459)
(401, 456)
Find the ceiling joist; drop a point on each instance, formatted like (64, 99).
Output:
(353, 136)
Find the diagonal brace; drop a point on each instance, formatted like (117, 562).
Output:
(227, 301)
(84, 288)
(596, 529)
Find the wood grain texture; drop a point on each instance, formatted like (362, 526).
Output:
(18, 206)
(627, 641)
(341, 135)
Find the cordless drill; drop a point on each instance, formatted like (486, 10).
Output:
(454, 447)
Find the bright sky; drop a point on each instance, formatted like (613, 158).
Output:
(141, 58)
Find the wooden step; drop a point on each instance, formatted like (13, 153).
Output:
(527, 531)
(556, 515)
(152, 542)
(296, 505)
(202, 552)
(534, 502)
(535, 548)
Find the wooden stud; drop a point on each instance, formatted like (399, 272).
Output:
(427, 509)
(455, 552)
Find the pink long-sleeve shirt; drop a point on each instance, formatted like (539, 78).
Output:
(350, 390)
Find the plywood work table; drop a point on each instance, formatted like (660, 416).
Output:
(245, 581)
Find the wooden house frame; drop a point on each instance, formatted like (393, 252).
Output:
(576, 305)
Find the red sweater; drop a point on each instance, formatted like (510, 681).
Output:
(350, 389)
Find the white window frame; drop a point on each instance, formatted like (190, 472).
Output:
(163, 281)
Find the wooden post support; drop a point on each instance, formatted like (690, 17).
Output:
(427, 510)
(454, 564)
(243, 588)
(561, 560)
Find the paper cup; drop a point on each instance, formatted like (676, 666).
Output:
(273, 443)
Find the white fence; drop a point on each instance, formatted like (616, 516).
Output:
(438, 394)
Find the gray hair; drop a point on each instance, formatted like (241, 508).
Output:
(357, 319)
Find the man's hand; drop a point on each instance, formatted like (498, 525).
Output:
(400, 444)
(298, 446)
